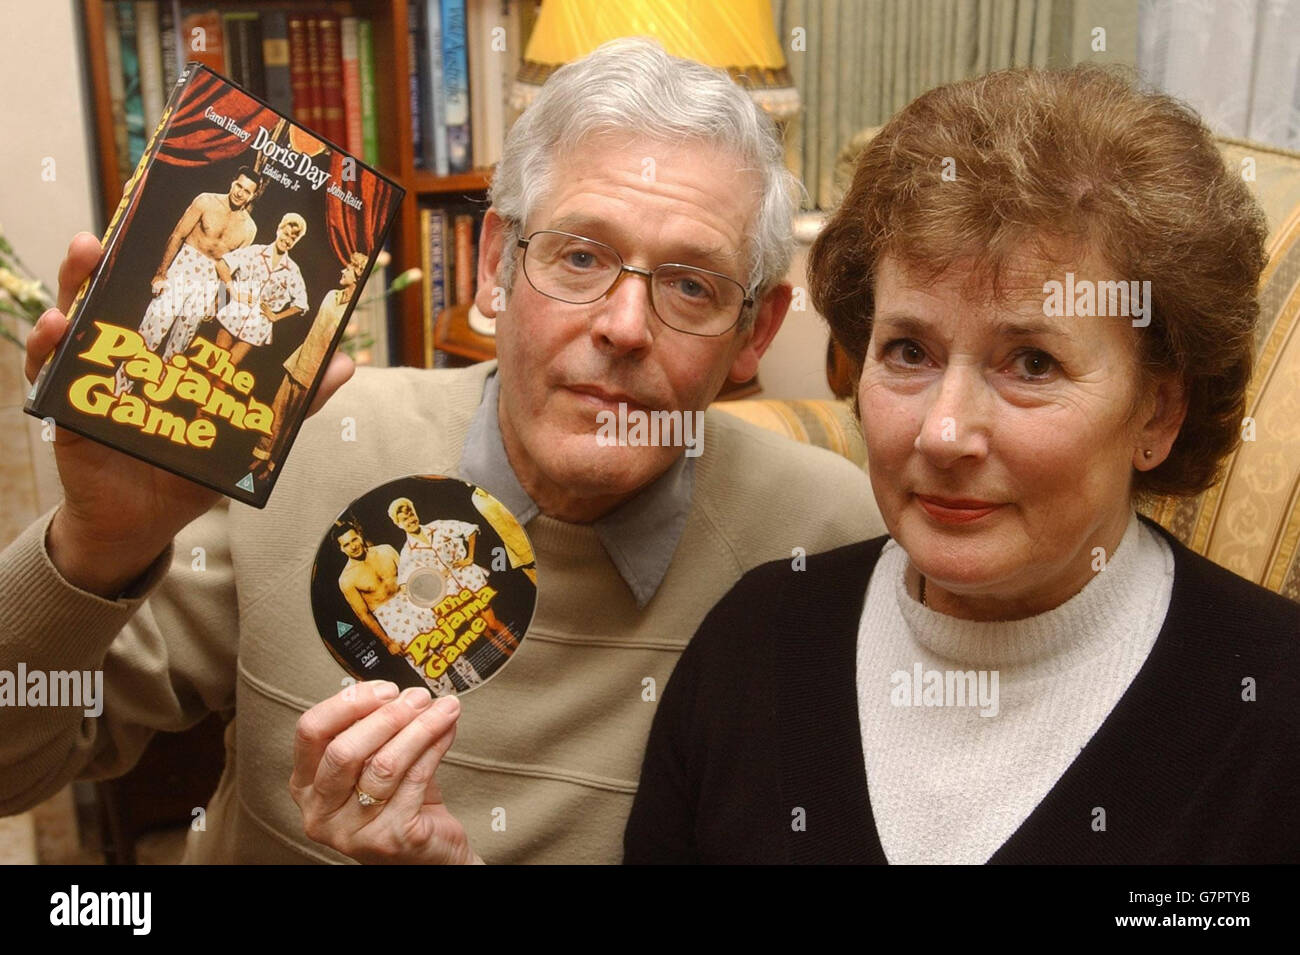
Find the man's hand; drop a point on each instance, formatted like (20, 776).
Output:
(367, 738)
(118, 513)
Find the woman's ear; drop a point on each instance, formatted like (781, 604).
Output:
(1163, 416)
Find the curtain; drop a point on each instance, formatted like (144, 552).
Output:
(351, 230)
(1236, 62)
(863, 60)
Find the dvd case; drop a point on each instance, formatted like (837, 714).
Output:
(231, 266)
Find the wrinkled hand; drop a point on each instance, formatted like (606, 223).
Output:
(368, 737)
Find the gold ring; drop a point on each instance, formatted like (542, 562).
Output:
(366, 799)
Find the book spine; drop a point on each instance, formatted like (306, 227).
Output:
(253, 51)
(414, 53)
(315, 117)
(435, 117)
(299, 70)
(464, 231)
(366, 66)
(428, 315)
(276, 60)
(478, 48)
(171, 64)
(132, 108)
(355, 142)
(331, 79)
(203, 39)
(455, 73)
(149, 47)
(109, 241)
(116, 93)
(236, 44)
(435, 277)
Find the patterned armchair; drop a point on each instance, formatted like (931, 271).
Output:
(1250, 521)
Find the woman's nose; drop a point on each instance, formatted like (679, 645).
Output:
(956, 423)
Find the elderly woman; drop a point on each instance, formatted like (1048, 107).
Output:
(1047, 284)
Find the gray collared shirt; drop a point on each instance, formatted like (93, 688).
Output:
(640, 535)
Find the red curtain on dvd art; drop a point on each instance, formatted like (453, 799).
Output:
(195, 140)
(346, 224)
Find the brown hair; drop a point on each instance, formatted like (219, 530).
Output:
(1078, 156)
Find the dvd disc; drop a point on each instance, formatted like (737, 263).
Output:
(426, 580)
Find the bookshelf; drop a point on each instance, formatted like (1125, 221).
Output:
(396, 149)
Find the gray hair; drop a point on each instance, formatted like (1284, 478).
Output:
(632, 86)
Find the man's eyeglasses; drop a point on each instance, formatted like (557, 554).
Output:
(577, 270)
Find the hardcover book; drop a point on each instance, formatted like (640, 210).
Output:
(230, 270)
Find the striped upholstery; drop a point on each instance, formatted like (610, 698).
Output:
(825, 424)
(1250, 521)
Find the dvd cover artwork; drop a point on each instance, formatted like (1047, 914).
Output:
(425, 580)
(230, 268)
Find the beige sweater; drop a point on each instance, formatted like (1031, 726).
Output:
(550, 749)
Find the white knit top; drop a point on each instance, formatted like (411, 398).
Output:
(966, 725)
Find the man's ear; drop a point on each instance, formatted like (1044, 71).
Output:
(490, 250)
(771, 311)
(1164, 419)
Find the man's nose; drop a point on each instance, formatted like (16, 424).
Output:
(956, 423)
(625, 314)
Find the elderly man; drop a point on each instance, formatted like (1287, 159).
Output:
(634, 256)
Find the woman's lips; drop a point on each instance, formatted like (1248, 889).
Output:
(955, 510)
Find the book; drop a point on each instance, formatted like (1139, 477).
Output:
(315, 115)
(455, 88)
(300, 72)
(171, 63)
(333, 122)
(435, 112)
(149, 52)
(230, 270)
(204, 42)
(433, 248)
(276, 59)
(116, 91)
(352, 86)
(415, 66)
(132, 106)
(466, 258)
(244, 63)
(366, 66)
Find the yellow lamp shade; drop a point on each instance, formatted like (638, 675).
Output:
(738, 36)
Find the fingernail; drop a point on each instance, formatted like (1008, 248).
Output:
(448, 705)
(386, 691)
(416, 697)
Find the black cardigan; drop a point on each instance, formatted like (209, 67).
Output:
(759, 727)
